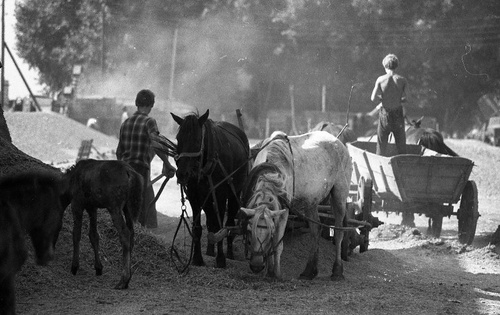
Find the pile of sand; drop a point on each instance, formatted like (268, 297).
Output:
(54, 138)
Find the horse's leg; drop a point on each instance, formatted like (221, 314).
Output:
(7, 294)
(125, 236)
(232, 210)
(94, 239)
(271, 266)
(213, 226)
(338, 204)
(209, 211)
(77, 211)
(129, 221)
(197, 231)
(278, 244)
(210, 246)
(311, 270)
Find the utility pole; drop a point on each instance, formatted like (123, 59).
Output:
(172, 72)
(103, 46)
(3, 56)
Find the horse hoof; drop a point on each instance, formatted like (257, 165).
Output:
(121, 286)
(220, 264)
(337, 277)
(98, 272)
(309, 273)
(74, 270)
(198, 262)
(304, 276)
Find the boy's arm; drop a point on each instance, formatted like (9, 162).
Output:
(375, 110)
(404, 98)
(403, 95)
(377, 92)
(168, 170)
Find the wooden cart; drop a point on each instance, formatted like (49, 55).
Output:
(421, 181)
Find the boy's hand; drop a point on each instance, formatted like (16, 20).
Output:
(168, 170)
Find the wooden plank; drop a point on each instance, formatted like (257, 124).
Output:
(84, 150)
(410, 177)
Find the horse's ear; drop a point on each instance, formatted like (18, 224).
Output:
(177, 119)
(203, 118)
(246, 213)
(278, 213)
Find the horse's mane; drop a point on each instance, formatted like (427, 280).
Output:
(347, 135)
(261, 212)
(279, 153)
(433, 140)
(429, 138)
(266, 182)
(320, 126)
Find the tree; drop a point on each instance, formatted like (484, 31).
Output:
(52, 36)
(448, 50)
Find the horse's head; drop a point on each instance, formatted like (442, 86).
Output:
(35, 197)
(190, 146)
(45, 231)
(263, 224)
(12, 244)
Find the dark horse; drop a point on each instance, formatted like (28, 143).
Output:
(208, 154)
(344, 134)
(29, 202)
(113, 185)
(427, 137)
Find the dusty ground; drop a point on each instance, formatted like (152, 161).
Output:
(403, 272)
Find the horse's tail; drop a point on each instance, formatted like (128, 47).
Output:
(434, 141)
(136, 194)
(449, 151)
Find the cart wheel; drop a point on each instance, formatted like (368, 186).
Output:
(365, 196)
(468, 213)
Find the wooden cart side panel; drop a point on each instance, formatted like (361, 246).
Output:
(412, 177)
(376, 167)
(430, 178)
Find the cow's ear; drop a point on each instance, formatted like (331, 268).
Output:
(177, 119)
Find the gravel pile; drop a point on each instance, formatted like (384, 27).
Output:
(53, 138)
(14, 161)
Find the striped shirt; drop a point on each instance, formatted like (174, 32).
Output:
(135, 144)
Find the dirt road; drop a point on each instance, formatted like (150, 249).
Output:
(403, 272)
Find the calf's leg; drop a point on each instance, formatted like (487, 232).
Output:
(94, 240)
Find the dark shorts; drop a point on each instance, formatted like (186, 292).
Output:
(391, 121)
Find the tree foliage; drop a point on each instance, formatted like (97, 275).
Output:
(250, 52)
(52, 36)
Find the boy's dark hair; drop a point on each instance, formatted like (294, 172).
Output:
(145, 98)
(390, 62)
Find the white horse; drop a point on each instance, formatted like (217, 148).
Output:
(295, 174)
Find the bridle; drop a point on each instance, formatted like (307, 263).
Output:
(177, 157)
(262, 252)
(193, 154)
